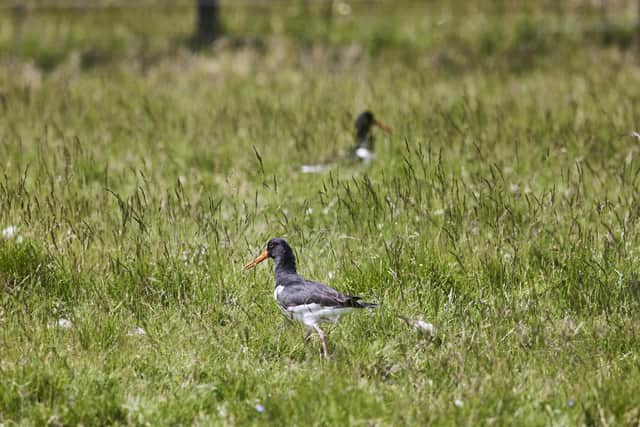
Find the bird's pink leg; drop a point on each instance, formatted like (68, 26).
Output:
(324, 341)
(307, 336)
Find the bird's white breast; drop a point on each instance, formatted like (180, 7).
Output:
(277, 291)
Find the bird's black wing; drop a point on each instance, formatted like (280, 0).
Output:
(308, 292)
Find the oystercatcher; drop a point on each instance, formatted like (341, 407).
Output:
(303, 300)
(363, 149)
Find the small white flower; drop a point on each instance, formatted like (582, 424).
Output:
(421, 326)
(312, 168)
(459, 403)
(10, 232)
(64, 323)
(260, 408)
(438, 212)
(343, 8)
(137, 332)
(331, 275)
(222, 410)
(425, 327)
(19, 239)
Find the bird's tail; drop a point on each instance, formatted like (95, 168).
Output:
(364, 304)
(356, 302)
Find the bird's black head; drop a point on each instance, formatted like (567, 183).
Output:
(280, 251)
(279, 248)
(365, 121)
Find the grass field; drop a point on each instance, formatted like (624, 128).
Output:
(141, 175)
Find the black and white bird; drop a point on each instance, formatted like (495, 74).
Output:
(310, 303)
(362, 151)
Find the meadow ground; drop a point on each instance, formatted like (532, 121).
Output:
(142, 174)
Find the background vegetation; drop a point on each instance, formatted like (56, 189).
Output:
(140, 174)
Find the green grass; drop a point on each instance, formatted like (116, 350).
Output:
(142, 175)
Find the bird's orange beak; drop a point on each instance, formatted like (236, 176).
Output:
(264, 255)
(382, 126)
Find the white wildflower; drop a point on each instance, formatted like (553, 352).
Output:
(137, 332)
(438, 212)
(420, 326)
(459, 403)
(424, 327)
(343, 8)
(9, 232)
(64, 323)
(312, 168)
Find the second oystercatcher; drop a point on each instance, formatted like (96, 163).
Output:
(362, 150)
(303, 300)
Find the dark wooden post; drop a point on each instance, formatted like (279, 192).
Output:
(208, 20)
(638, 26)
